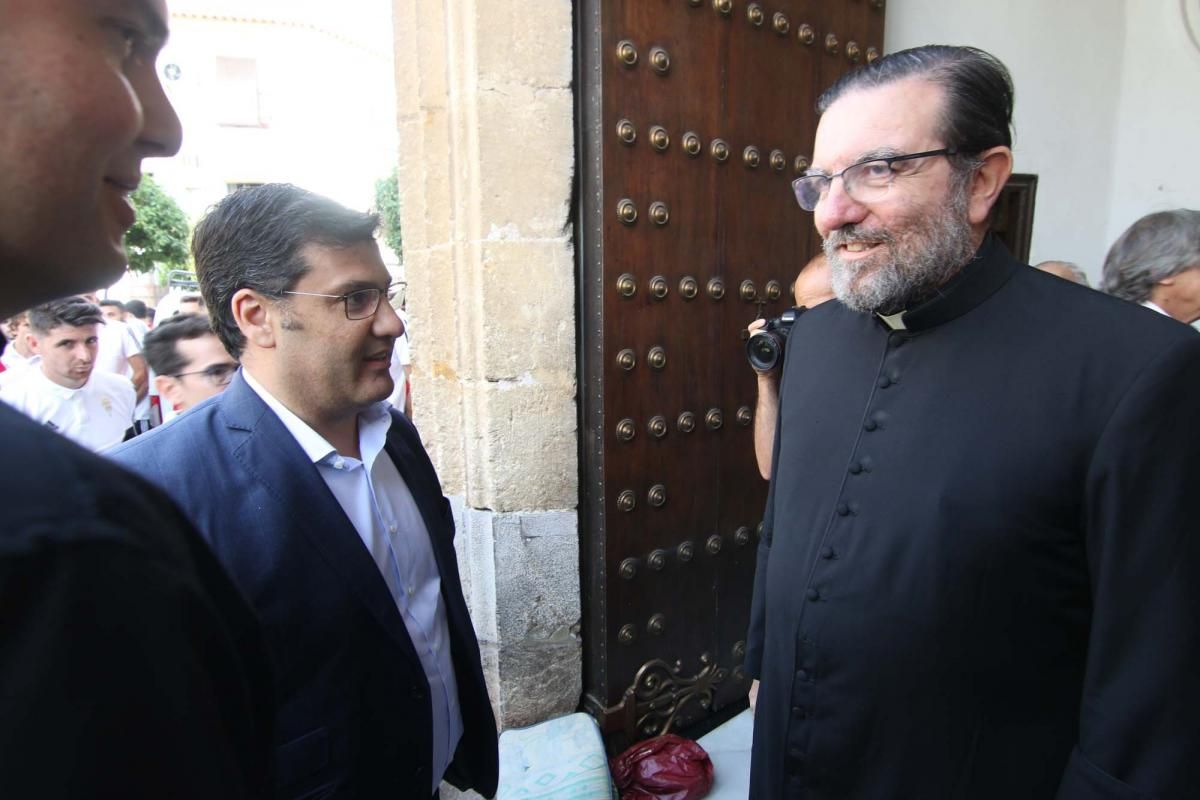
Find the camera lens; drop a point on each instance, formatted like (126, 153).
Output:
(763, 350)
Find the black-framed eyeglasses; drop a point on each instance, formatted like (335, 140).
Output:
(865, 182)
(361, 303)
(216, 374)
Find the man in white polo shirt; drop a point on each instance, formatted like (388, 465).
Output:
(63, 391)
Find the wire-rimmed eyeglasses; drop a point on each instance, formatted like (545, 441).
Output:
(216, 374)
(361, 303)
(865, 182)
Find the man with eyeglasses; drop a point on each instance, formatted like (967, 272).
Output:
(322, 503)
(979, 568)
(190, 364)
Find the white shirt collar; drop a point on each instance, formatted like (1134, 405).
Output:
(1155, 307)
(54, 389)
(315, 446)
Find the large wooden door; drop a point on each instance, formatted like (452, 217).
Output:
(695, 115)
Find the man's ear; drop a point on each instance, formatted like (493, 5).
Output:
(168, 388)
(256, 318)
(32, 341)
(987, 182)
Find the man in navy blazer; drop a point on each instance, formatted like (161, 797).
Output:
(324, 507)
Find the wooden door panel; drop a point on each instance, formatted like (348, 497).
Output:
(728, 221)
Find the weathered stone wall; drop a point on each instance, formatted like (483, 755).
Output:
(486, 162)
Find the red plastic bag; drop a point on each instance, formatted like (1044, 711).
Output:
(666, 767)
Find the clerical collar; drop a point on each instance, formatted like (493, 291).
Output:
(990, 269)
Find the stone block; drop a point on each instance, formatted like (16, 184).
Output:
(433, 312)
(424, 165)
(529, 44)
(529, 310)
(527, 161)
(438, 415)
(537, 578)
(432, 51)
(404, 56)
(538, 681)
(522, 446)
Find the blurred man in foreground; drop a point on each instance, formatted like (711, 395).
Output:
(130, 666)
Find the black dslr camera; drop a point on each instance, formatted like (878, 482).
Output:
(764, 348)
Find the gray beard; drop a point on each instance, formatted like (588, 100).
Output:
(912, 270)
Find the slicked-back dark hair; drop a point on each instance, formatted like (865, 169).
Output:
(137, 308)
(113, 304)
(252, 240)
(979, 92)
(74, 312)
(160, 349)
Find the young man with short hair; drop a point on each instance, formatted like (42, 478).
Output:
(189, 361)
(63, 391)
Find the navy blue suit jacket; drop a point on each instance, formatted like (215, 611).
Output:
(353, 716)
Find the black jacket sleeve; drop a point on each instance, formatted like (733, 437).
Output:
(119, 678)
(1138, 735)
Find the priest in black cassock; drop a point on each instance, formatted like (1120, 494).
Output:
(980, 572)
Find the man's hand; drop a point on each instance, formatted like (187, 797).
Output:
(756, 325)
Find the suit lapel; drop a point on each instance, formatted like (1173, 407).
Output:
(425, 495)
(270, 454)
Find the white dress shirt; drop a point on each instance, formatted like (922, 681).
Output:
(382, 510)
(14, 364)
(11, 359)
(117, 346)
(95, 415)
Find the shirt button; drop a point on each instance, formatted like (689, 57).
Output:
(339, 464)
(813, 594)
(802, 675)
(798, 712)
(871, 425)
(855, 468)
(392, 528)
(827, 553)
(843, 509)
(411, 591)
(884, 382)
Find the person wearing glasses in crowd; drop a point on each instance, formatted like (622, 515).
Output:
(978, 571)
(189, 362)
(321, 501)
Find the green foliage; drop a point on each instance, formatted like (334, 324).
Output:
(159, 238)
(387, 204)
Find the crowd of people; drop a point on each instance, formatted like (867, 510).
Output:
(978, 570)
(100, 371)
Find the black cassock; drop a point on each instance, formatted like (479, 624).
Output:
(980, 575)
